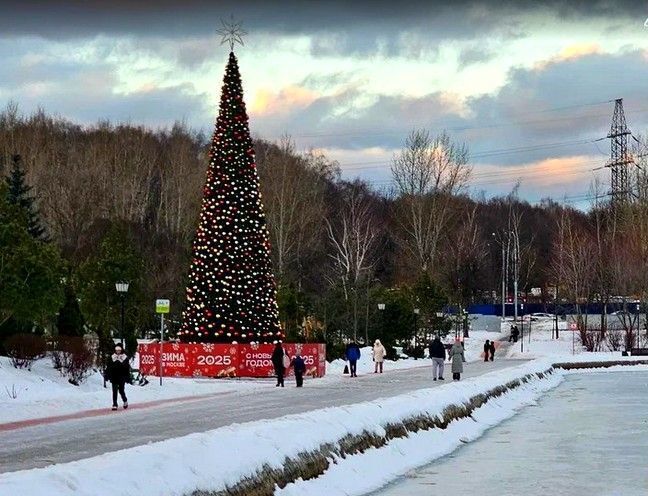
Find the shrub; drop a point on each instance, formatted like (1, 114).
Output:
(24, 349)
(81, 359)
(614, 339)
(72, 357)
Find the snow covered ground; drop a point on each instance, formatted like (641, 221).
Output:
(181, 465)
(43, 392)
(203, 461)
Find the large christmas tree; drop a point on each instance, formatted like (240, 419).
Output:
(231, 295)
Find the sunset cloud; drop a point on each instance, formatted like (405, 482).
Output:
(266, 101)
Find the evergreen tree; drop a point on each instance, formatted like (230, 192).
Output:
(70, 320)
(231, 294)
(30, 271)
(18, 194)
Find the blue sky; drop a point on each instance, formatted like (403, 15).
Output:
(527, 85)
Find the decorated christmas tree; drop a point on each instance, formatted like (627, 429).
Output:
(231, 294)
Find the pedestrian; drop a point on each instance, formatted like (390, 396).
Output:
(279, 363)
(516, 333)
(353, 355)
(299, 366)
(438, 356)
(379, 353)
(486, 350)
(457, 357)
(118, 373)
(511, 332)
(491, 348)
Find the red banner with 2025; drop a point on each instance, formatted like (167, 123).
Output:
(225, 360)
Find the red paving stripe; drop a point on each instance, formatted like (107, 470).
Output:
(21, 424)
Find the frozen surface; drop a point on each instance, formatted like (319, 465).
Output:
(587, 437)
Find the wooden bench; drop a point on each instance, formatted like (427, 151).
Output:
(639, 351)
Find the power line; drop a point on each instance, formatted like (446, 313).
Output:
(364, 133)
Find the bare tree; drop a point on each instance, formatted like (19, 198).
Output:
(294, 198)
(428, 172)
(354, 236)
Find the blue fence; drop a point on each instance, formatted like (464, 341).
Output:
(561, 309)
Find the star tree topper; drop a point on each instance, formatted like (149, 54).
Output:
(231, 33)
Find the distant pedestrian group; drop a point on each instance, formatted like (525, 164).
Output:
(515, 334)
(489, 350)
(281, 362)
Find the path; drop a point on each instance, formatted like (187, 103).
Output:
(69, 439)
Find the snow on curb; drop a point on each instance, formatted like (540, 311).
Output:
(214, 461)
(375, 468)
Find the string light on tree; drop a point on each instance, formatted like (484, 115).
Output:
(231, 295)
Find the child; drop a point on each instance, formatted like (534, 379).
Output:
(300, 367)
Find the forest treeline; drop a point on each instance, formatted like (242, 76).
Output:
(121, 202)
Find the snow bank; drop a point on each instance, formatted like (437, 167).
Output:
(43, 391)
(221, 458)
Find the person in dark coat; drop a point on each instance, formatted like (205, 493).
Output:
(278, 363)
(492, 351)
(118, 373)
(353, 355)
(438, 356)
(487, 346)
(299, 366)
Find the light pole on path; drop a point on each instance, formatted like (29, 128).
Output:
(122, 289)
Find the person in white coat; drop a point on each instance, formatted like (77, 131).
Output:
(379, 353)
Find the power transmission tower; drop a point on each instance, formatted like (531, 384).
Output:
(620, 158)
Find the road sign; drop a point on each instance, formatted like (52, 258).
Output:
(162, 306)
(573, 326)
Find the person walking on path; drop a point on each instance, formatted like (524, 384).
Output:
(438, 356)
(299, 366)
(279, 359)
(487, 346)
(379, 353)
(457, 357)
(491, 348)
(353, 355)
(118, 373)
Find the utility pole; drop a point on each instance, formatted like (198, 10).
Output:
(516, 271)
(503, 285)
(620, 157)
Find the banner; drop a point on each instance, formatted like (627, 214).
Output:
(189, 360)
(226, 360)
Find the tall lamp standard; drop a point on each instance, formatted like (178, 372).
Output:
(381, 307)
(122, 289)
(416, 314)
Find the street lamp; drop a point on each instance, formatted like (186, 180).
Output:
(122, 289)
(381, 307)
(416, 314)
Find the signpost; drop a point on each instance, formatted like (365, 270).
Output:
(161, 307)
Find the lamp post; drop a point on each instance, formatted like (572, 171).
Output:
(416, 314)
(381, 308)
(122, 289)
